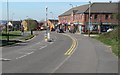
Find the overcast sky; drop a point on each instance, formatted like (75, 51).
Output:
(22, 9)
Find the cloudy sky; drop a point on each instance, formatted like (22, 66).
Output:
(22, 9)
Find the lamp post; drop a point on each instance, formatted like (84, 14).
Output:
(52, 15)
(53, 18)
(7, 31)
(89, 18)
(12, 16)
(12, 20)
(72, 13)
(71, 5)
(46, 10)
(47, 34)
(28, 22)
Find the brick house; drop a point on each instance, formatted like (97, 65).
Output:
(52, 23)
(16, 25)
(103, 16)
(27, 24)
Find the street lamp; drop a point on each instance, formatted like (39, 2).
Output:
(71, 5)
(7, 32)
(72, 13)
(29, 25)
(28, 22)
(47, 34)
(52, 15)
(46, 11)
(12, 19)
(89, 18)
(12, 16)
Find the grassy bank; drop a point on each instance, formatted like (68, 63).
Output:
(12, 34)
(111, 39)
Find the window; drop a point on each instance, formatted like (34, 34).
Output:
(106, 17)
(111, 17)
(95, 16)
(80, 17)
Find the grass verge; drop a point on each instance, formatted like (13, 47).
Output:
(12, 34)
(111, 39)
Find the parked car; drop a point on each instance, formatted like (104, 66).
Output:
(60, 30)
(110, 29)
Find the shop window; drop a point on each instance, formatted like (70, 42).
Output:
(111, 16)
(95, 16)
(106, 17)
(80, 16)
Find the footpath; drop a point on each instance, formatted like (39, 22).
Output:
(90, 56)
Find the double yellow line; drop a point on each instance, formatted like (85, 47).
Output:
(71, 50)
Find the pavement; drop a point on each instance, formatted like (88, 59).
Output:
(90, 56)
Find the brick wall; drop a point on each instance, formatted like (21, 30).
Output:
(83, 18)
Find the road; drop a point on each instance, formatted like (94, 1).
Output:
(38, 56)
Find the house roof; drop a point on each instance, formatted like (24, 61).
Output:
(10, 24)
(53, 20)
(95, 8)
(16, 22)
(3, 22)
(103, 8)
(30, 21)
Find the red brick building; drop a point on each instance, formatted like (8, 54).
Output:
(103, 16)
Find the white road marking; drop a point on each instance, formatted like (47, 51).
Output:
(25, 55)
(30, 53)
(40, 42)
(51, 42)
(21, 56)
(3, 59)
(28, 47)
(43, 47)
(60, 64)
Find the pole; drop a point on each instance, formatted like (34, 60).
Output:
(46, 33)
(46, 9)
(48, 30)
(89, 18)
(7, 31)
(72, 13)
(29, 25)
(71, 5)
(52, 15)
(53, 18)
(12, 20)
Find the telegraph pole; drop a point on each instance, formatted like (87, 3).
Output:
(71, 5)
(7, 31)
(46, 9)
(89, 18)
(53, 18)
(47, 34)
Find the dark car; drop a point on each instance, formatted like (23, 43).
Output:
(60, 31)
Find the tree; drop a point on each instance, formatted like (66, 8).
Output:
(33, 25)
